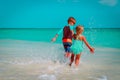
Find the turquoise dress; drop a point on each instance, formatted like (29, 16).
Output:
(77, 46)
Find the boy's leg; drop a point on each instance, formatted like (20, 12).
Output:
(67, 49)
(72, 59)
(77, 58)
(67, 54)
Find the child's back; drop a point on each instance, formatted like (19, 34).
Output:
(77, 46)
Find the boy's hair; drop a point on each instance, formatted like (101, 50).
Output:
(71, 19)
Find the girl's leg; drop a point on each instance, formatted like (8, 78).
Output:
(72, 59)
(77, 58)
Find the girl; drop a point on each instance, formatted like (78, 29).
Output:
(76, 47)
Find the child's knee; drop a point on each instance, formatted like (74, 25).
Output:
(72, 57)
(77, 58)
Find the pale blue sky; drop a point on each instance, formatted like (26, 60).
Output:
(54, 13)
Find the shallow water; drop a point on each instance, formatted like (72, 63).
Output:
(31, 60)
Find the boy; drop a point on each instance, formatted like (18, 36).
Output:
(67, 35)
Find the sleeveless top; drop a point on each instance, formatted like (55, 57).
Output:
(62, 30)
(67, 33)
(77, 46)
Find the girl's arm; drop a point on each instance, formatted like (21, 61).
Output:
(87, 44)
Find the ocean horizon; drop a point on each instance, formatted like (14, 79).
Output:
(95, 36)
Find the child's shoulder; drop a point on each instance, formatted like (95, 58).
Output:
(82, 37)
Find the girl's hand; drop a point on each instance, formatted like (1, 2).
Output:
(92, 50)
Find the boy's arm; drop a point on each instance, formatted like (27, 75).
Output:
(72, 32)
(71, 28)
(57, 34)
(87, 44)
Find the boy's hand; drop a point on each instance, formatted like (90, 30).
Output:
(53, 39)
(92, 50)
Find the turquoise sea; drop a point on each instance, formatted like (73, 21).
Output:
(29, 54)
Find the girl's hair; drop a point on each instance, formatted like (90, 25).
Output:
(71, 19)
(79, 30)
